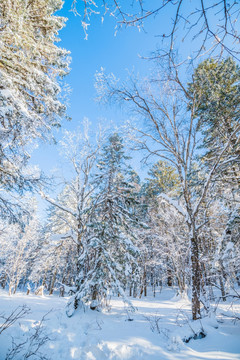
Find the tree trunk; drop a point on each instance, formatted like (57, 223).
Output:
(44, 279)
(134, 290)
(222, 287)
(204, 281)
(144, 284)
(181, 283)
(15, 288)
(169, 273)
(196, 279)
(4, 281)
(10, 289)
(169, 277)
(94, 303)
(53, 282)
(95, 293)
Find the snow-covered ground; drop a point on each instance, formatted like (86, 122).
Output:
(93, 335)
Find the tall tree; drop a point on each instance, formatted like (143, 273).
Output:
(31, 64)
(110, 246)
(72, 210)
(173, 129)
(216, 89)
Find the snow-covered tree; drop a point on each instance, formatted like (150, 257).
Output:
(172, 131)
(216, 90)
(31, 64)
(56, 261)
(70, 214)
(18, 251)
(109, 249)
(163, 244)
(162, 178)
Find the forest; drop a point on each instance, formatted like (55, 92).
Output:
(134, 251)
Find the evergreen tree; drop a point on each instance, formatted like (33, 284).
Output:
(216, 91)
(31, 64)
(163, 178)
(110, 249)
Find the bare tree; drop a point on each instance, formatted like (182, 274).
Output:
(18, 250)
(212, 24)
(171, 131)
(74, 206)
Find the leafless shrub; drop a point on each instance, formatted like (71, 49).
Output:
(154, 321)
(31, 347)
(15, 315)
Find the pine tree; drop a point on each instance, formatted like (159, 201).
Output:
(110, 249)
(216, 91)
(162, 178)
(30, 67)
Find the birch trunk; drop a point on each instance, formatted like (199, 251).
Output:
(196, 278)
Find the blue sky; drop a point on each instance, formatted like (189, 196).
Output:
(116, 53)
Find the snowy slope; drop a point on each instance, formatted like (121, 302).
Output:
(110, 335)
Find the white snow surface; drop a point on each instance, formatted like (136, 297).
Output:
(92, 335)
